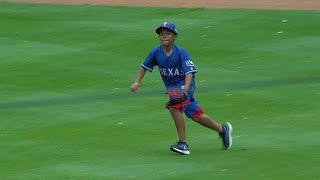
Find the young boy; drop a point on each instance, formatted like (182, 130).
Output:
(178, 71)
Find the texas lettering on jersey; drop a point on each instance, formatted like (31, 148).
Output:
(171, 72)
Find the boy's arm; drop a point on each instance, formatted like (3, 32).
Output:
(136, 85)
(188, 81)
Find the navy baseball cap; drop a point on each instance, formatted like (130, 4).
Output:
(167, 25)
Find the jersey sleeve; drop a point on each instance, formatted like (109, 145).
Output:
(150, 61)
(187, 64)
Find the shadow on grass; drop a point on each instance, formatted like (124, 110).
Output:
(126, 95)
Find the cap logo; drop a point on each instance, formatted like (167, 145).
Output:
(165, 24)
(169, 26)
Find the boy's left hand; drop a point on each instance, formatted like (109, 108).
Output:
(177, 98)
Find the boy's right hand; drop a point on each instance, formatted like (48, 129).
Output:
(135, 87)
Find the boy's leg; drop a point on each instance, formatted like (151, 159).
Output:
(181, 146)
(195, 112)
(179, 123)
(208, 122)
(225, 130)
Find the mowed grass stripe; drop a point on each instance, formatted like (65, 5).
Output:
(153, 92)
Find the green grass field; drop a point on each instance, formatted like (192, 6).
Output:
(66, 111)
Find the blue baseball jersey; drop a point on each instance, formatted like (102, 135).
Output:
(173, 68)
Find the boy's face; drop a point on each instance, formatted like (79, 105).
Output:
(167, 37)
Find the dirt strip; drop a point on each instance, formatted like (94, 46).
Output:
(252, 4)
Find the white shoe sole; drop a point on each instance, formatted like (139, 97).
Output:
(180, 151)
(230, 135)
